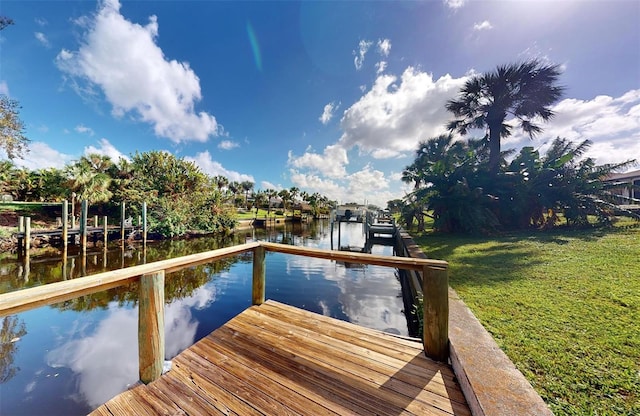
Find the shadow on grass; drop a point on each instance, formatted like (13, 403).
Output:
(489, 260)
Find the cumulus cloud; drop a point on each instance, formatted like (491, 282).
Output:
(42, 38)
(384, 47)
(81, 128)
(4, 88)
(41, 156)
(454, 4)
(105, 148)
(138, 80)
(611, 123)
(327, 113)
(366, 184)
(396, 114)
(363, 48)
(330, 163)
(381, 66)
(485, 25)
(214, 168)
(228, 145)
(269, 185)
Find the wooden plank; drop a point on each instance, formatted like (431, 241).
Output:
(241, 387)
(385, 362)
(26, 299)
(159, 404)
(353, 334)
(151, 326)
(347, 363)
(388, 261)
(216, 395)
(334, 390)
(126, 403)
(185, 398)
(294, 395)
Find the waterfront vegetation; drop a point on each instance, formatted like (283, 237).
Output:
(563, 304)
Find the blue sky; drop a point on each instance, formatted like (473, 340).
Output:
(330, 97)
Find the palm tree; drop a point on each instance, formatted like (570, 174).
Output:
(246, 186)
(524, 91)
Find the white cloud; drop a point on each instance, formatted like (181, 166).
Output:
(363, 48)
(41, 21)
(612, 124)
(4, 88)
(327, 114)
(485, 25)
(381, 66)
(42, 38)
(394, 117)
(228, 145)
(384, 47)
(454, 4)
(41, 156)
(330, 163)
(213, 168)
(107, 149)
(268, 185)
(122, 59)
(367, 184)
(81, 128)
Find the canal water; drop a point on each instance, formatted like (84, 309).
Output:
(69, 358)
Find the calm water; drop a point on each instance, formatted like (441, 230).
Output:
(69, 358)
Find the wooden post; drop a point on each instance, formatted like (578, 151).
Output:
(83, 225)
(122, 214)
(144, 223)
(435, 289)
(20, 239)
(65, 223)
(105, 231)
(257, 293)
(27, 234)
(151, 326)
(95, 221)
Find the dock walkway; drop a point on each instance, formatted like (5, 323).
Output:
(275, 359)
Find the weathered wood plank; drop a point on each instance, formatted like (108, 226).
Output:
(258, 397)
(307, 374)
(396, 262)
(292, 394)
(26, 299)
(405, 375)
(435, 289)
(266, 361)
(346, 363)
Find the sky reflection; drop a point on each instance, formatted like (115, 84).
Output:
(106, 361)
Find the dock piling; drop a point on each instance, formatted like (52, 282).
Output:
(65, 223)
(151, 326)
(83, 225)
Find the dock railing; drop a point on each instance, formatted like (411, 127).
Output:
(151, 293)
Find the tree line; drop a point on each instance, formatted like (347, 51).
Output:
(179, 196)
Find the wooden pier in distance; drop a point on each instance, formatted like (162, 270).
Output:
(275, 359)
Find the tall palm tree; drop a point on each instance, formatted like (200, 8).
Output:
(524, 91)
(246, 186)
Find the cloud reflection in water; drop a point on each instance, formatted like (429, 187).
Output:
(106, 362)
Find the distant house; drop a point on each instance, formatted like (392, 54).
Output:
(629, 186)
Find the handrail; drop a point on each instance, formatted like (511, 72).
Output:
(31, 298)
(151, 293)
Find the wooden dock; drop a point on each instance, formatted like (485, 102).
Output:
(275, 359)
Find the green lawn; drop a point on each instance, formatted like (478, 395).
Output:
(563, 305)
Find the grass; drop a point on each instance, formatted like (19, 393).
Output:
(261, 214)
(563, 305)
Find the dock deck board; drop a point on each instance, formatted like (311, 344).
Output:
(275, 359)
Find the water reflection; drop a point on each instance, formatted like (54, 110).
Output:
(79, 353)
(105, 362)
